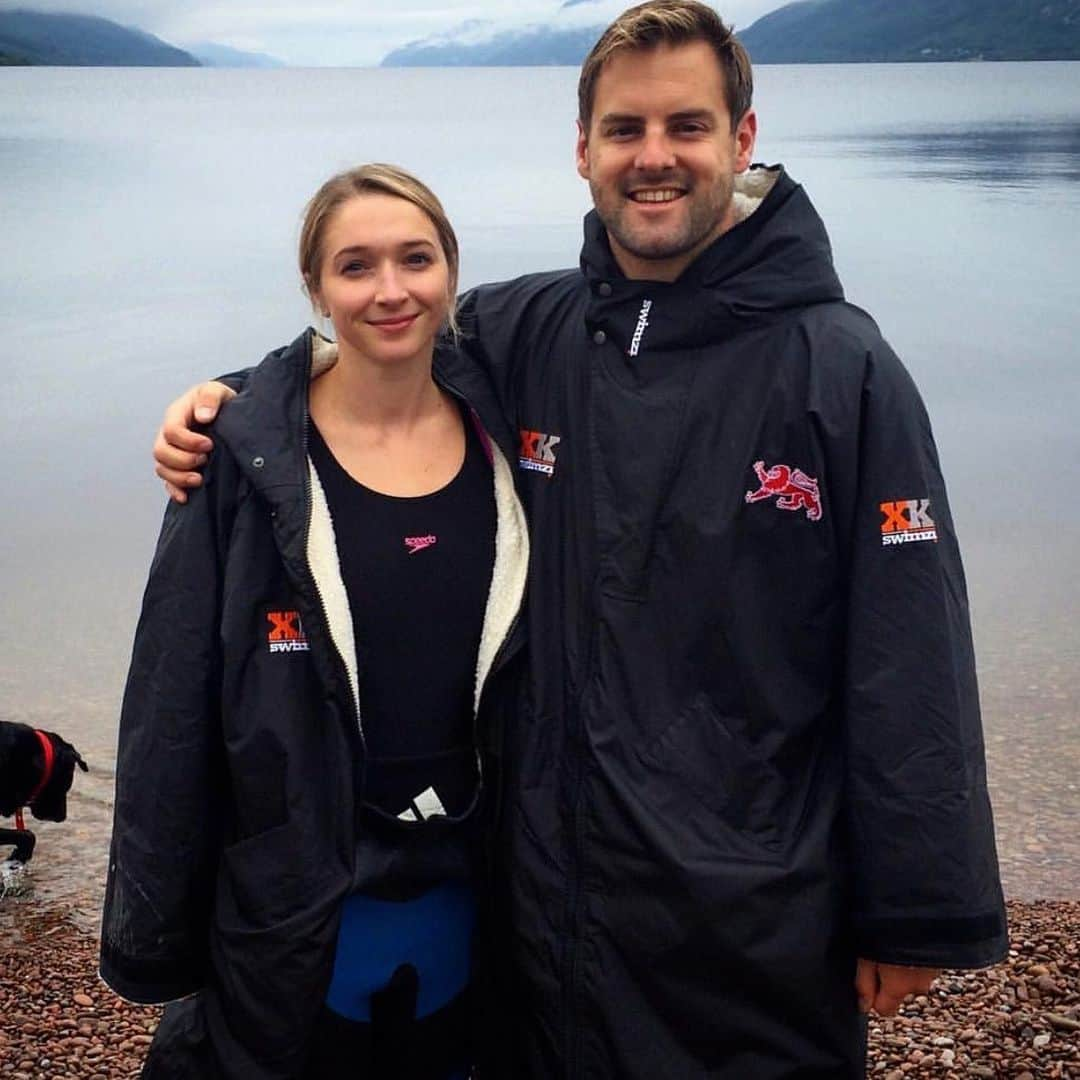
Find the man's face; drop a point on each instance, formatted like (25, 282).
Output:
(661, 158)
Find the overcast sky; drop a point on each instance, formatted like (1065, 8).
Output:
(344, 32)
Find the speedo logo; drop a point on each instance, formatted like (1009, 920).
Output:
(418, 543)
(639, 330)
(537, 452)
(286, 632)
(907, 521)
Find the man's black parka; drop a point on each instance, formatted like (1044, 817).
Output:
(749, 748)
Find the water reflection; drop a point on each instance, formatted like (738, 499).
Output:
(997, 155)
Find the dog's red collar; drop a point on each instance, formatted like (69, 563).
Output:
(46, 774)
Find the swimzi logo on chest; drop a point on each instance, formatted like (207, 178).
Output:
(286, 632)
(639, 330)
(537, 452)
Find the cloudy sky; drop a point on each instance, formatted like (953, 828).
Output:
(345, 32)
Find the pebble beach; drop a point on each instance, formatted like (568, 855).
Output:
(1017, 1021)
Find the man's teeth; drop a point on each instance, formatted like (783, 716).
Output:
(665, 195)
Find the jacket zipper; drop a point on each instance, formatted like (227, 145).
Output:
(578, 749)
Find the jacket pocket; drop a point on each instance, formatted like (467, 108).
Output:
(272, 875)
(700, 769)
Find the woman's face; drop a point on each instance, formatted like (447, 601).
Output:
(383, 279)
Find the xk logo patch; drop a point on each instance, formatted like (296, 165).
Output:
(907, 521)
(286, 632)
(791, 487)
(538, 452)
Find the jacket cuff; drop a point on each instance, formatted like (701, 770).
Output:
(971, 941)
(146, 982)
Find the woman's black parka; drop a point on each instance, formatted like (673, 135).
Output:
(239, 826)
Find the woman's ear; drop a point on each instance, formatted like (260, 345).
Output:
(315, 298)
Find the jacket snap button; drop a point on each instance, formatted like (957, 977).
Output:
(258, 462)
(599, 337)
(604, 289)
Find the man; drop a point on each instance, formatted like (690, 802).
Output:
(742, 793)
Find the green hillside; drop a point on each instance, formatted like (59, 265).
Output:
(31, 37)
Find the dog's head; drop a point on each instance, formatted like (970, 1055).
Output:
(34, 775)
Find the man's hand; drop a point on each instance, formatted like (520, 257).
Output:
(882, 987)
(179, 451)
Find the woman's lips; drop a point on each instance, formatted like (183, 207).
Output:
(390, 325)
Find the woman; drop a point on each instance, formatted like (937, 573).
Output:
(298, 779)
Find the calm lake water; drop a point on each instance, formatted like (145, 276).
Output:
(147, 227)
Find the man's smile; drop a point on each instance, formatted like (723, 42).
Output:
(656, 195)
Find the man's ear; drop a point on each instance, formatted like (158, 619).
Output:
(582, 152)
(745, 137)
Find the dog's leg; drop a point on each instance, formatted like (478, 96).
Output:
(24, 841)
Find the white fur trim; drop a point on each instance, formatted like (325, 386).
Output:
(508, 574)
(751, 187)
(324, 354)
(322, 557)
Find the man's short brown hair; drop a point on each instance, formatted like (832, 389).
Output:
(670, 22)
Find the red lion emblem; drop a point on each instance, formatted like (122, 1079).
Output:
(791, 488)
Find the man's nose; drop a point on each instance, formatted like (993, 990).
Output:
(655, 152)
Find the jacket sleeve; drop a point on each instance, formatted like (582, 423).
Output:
(169, 777)
(926, 888)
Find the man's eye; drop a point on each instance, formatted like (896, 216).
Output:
(691, 127)
(626, 131)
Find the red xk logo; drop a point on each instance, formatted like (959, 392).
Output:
(286, 632)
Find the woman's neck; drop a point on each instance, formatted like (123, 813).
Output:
(390, 427)
(356, 391)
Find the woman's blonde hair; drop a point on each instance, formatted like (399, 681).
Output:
(374, 179)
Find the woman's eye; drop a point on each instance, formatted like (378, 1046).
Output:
(419, 258)
(354, 266)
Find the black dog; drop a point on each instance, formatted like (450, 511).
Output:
(36, 770)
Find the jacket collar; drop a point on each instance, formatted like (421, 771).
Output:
(776, 258)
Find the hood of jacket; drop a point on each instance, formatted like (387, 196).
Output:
(775, 259)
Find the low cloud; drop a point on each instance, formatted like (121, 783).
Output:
(359, 32)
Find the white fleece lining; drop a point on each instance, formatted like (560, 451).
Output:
(322, 556)
(751, 187)
(508, 573)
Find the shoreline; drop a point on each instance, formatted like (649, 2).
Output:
(1019, 1020)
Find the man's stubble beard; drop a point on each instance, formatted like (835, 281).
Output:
(702, 222)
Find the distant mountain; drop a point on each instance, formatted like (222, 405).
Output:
(535, 46)
(564, 37)
(812, 31)
(824, 31)
(31, 37)
(210, 54)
